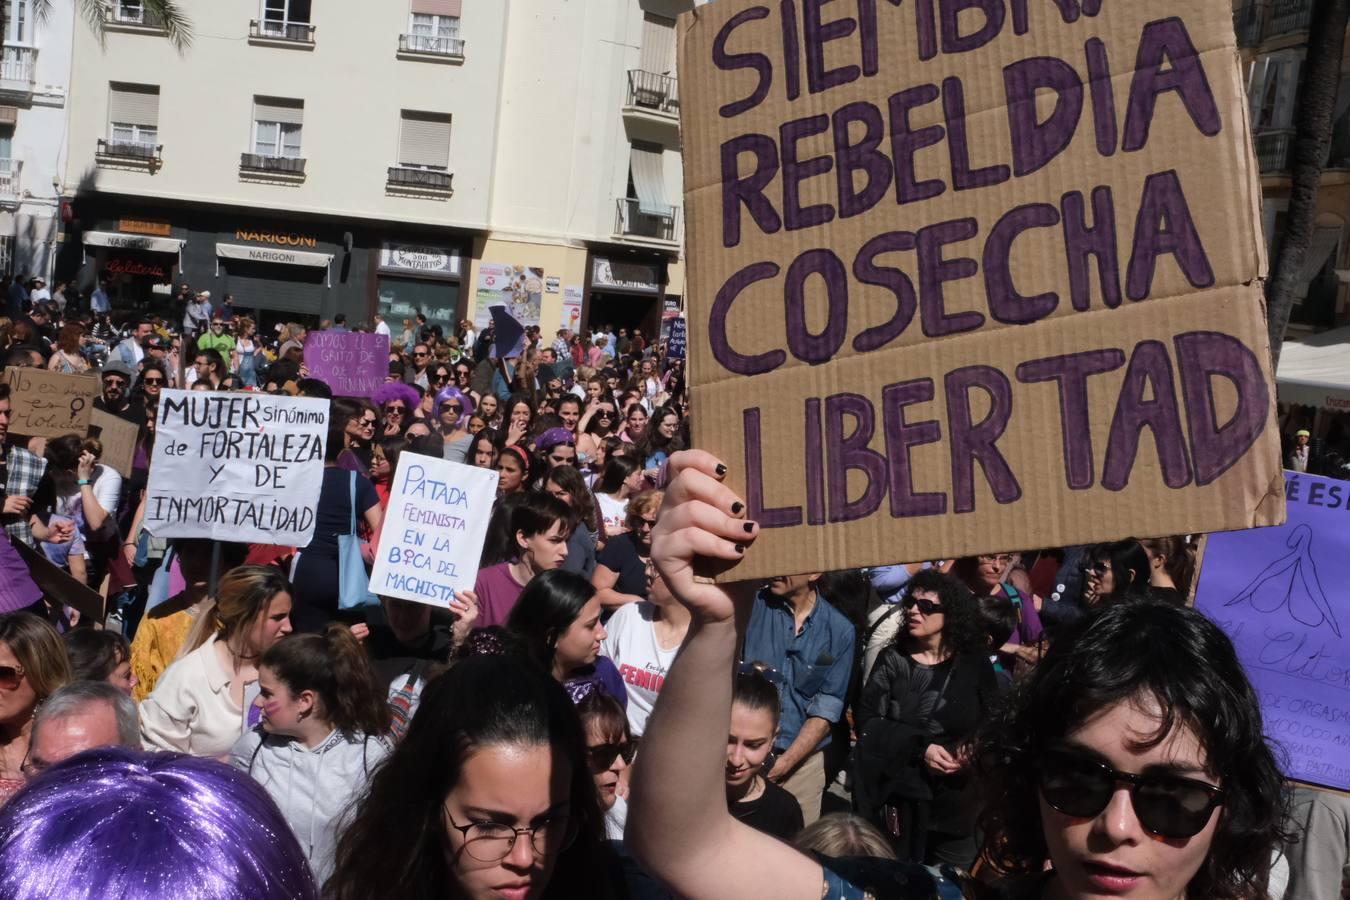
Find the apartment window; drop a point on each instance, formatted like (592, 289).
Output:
(129, 11)
(424, 141)
(19, 22)
(425, 25)
(276, 127)
(278, 14)
(133, 114)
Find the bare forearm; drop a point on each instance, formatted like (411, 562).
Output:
(612, 599)
(813, 732)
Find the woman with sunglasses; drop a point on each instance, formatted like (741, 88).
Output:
(453, 408)
(439, 375)
(610, 751)
(396, 403)
(925, 697)
(32, 665)
(1133, 761)
(599, 421)
(489, 795)
(620, 575)
(358, 434)
(992, 575)
(1113, 571)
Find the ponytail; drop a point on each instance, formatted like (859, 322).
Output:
(333, 665)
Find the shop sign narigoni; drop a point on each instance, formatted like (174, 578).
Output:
(966, 277)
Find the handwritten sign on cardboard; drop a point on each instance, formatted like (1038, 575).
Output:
(965, 276)
(1279, 593)
(49, 404)
(118, 437)
(352, 363)
(434, 530)
(236, 467)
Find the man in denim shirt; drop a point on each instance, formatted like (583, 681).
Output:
(809, 646)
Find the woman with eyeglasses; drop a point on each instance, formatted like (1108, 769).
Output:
(453, 408)
(558, 619)
(32, 665)
(610, 750)
(489, 795)
(358, 435)
(620, 575)
(925, 697)
(660, 439)
(991, 575)
(751, 797)
(383, 465)
(396, 402)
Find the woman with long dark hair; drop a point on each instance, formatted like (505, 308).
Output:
(321, 735)
(489, 794)
(558, 617)
(925, 697)
(1114, 571)
(621, 480)
(568, 485)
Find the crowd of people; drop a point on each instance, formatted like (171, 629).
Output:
(593, 719)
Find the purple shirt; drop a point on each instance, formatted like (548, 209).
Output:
(17, 589)
(497, 591)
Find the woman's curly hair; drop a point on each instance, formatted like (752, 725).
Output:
(962, 628)
(1170, 655)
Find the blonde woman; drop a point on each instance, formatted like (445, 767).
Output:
(32, 665)
(201, 704)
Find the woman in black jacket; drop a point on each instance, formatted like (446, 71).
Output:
(924, 699)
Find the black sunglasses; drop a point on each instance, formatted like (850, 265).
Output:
(603, 755)
(927, 607)
(10, 676)
(1169, 806)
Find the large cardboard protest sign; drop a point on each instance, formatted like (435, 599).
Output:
(966, 276)
(352, 363)
(433, 530)
(1279, 593)
(49, 404)
(118, 437)
(236, 467)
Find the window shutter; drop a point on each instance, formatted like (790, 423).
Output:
(134, 104)
(658, 45)
(649, 179)
(437, 7)
(277, 109)
(425, 140)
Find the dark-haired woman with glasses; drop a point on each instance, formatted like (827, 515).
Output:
(489, 795)
(610, 751)
(927, 694)
(396, 402)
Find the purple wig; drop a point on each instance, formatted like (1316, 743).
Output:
(115, 822)
(465, 403)
(395, 390)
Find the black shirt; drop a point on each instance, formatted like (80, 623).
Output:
(774, 812)
(621, 557)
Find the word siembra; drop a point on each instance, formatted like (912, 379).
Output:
(1166, 62)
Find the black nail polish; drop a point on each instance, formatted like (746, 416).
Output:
(737, 507)
(749, 527)
(721, 470)
(740, 548)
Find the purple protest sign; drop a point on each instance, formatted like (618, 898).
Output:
(352, 363)
(1280, 594)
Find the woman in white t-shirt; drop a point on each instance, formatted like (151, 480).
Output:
(642, 641)
(622, 479)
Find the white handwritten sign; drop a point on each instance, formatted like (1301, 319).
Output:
(236, 467)
(433, 530)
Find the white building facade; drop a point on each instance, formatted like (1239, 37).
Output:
(315, 157)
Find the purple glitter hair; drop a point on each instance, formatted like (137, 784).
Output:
(454, 393)
(115, 822)
(395, 390)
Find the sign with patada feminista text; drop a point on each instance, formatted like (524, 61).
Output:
(971, 275)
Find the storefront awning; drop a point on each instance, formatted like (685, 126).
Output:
(1316, 371)
(132, 241)
(278, 255)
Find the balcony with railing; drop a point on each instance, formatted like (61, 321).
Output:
(1288, 17)
(1247, 21)
(10, 182)
(650, 93)
(271, 33)
(17, 68)
(632, 223)
(263, 167)
(430, 47)
(129, 154)
(419, 182)
(1272, 150)
(132, 17)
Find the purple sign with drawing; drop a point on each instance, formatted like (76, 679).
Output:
(352, 363)
(1280, 593)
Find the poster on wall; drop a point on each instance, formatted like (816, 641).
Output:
(571, 310)
(519, 288)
